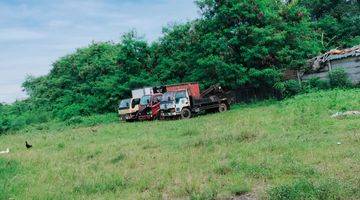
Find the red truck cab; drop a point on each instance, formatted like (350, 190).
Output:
(149, 107)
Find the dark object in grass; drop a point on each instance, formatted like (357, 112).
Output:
(28, 146)
(119, 158)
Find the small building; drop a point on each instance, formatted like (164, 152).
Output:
(347, 59)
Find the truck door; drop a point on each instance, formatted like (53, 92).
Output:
(135, 104)
(155, 108)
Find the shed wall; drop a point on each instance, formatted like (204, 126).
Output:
(351, 65)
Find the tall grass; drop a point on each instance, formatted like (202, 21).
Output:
(291, 149)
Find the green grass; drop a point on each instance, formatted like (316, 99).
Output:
(271, 150)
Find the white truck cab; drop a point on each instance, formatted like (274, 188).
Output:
(185, 100)
(174, 102)
(182, 100)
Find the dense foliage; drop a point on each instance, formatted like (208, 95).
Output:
(237, 43)
(337, 21)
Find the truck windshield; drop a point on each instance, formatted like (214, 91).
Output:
(168, 96)
(135, 102)
(145, 100)
(179, 95)
(124, 104)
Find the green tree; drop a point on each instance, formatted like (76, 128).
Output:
(336, 20)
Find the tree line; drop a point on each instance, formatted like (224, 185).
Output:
(237, 43)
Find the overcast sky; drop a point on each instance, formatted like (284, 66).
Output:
(35, 33)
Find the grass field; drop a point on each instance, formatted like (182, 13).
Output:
(272, 150)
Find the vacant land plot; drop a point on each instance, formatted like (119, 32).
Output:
(278, 150)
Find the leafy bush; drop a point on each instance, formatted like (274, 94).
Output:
(292, 87)
(339, 79)
(74, 120)
(21, 114)
(288, 88)
(316, 83)
(72, 111)
(4, 124)
(99, 119)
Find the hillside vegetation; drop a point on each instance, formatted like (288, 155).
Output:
(236, 43)
(291, 149)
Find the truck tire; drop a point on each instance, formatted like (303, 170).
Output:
(158, 116)
(223, 107)
(185, 113)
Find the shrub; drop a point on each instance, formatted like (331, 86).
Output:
(74, 120)
(40, 117)
(292, 87)
(316, 83)
(339, 79)
(288, 88)
(18, 123)
(72, 111)
(4, 125)
(99, 119)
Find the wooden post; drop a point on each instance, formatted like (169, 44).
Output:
(329, 65)
(298, 77)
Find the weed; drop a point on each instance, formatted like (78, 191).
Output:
(253, 170)
(304, 189)
(61, 146)
(222, 139)
(118, 158)
(239, 190)
(150, 145)
(204, 194)
(105, 185)
(190, 132)
(223, 169)
(93, 155)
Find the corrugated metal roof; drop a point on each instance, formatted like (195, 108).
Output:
(335, 54)
(345, 55)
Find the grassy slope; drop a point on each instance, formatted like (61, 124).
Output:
(271, 150)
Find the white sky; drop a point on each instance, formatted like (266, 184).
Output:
(35, 33)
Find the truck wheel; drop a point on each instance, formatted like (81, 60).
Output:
(185, 113)
(223, 107)
(158, 116)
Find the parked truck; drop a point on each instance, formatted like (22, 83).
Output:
(129, 108)
(149, 108)
(185, 100)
